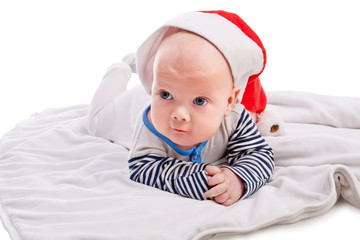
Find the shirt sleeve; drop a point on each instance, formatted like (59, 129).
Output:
(187, 179)
(249, 156)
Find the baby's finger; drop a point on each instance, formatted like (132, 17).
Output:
(222, 198)
(215, 191)
(216, 179)
(212, 170)
(228, 202)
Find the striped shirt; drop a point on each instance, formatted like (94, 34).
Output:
(238, 145)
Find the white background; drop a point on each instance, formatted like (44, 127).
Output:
(54, 53)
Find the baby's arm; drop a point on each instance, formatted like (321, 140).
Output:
(251, 163)
(187, 179)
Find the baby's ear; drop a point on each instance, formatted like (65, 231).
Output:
(232, 99)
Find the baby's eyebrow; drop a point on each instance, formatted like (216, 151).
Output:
(207, 98)
(163, 90)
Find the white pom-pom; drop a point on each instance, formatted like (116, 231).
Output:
(270, 123)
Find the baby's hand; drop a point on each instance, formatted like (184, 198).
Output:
(226, 186)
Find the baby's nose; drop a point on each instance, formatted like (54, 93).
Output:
(180, 114)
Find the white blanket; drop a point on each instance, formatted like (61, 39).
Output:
(58, 182)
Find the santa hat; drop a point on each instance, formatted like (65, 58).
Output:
(239, 44)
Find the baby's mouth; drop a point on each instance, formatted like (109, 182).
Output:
(179, 130)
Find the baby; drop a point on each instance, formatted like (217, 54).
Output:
(195, 139)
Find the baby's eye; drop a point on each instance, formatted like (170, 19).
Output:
(166, 95)
(200, 101)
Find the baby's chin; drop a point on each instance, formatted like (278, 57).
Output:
(186, 145)
(183, 147)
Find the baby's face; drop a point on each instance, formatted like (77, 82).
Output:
(192, 90)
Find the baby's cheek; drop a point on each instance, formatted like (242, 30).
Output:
(209, 126)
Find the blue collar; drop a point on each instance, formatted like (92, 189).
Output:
(193, 153)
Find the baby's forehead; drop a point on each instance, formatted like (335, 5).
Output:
(187, 48)
(190, 55)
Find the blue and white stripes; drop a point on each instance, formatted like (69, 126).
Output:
(187, 179)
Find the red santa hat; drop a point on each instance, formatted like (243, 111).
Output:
(239, 44)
